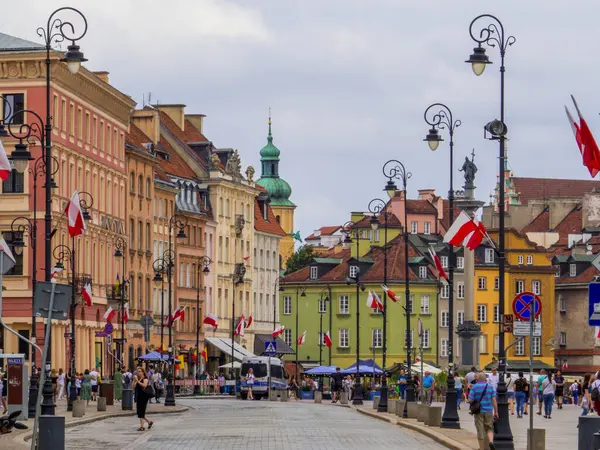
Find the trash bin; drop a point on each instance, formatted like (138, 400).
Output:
(107, 390)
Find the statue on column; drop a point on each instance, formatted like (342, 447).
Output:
(470, 169)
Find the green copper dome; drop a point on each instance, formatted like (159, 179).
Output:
(279, 190)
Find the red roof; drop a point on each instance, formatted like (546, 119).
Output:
(420, 207)
(271, 226)
(181, 136)
(542, 188)
(325, 231)
(136, 137)
(445, 221)
(539, 224)
(192, 133)
(393, 221)
(571, 224)
(586, 276)
(175, 165)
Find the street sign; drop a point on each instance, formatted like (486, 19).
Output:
(108, 339)
(594, 304)
(522, 329)
(419, 327)
(507, 327)
(99, 334)
(68, 335)
(596, 262)
(270, 348)
(108, 328)
(508, 319)
(521, 305)
(119, 340)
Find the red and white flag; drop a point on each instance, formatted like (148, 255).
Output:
(249, 322)
(585, 141)
(301, 339)
(466, 232)
(126, 313)
(5, 167)
(168, 321)
(475, 239)
(391, 294)
(246, 258)
(179, 314)
(374, 302)
(239, 329)
(442, 275)
(278, 332)
(211, 320)
(597, 332)
(54, 272)
(75, 221)
(565, 366)
(86, 294)
(327, 339)
(8, 260)
(109, 314)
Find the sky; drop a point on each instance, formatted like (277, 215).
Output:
(348, 82)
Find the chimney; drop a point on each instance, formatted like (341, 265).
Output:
(103, 76)
(426, 194)
(175, 112)
(148, 121)
(197, 120)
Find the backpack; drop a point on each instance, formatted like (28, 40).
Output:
(595, 394)
(475, 406)
(127, 379)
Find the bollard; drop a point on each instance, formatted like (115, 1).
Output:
(539, 439)
(79, 408)
(376, 401)
(434, 416)
(344, 398)
(400, 407)
(284, 396)
(413, 410)
(52, 432)
(597, 441)
(588, 426)
(391, 406)
(422, 412)
(318, 397)
(101, 403)
(107, 391)
(273, 395)
(127, 402)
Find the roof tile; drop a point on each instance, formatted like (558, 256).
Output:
(542, 188)
(260, 224)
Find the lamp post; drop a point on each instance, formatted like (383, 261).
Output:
(322, 310)
(120, 246)
(299, 293)
(276, 288)
(204, 262)
(394, 169)
(357, 398)
(160, 268)
(493, 35)
(237, 277)
(439, 120)
(377, 209)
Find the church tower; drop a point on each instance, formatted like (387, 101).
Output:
(279, 192)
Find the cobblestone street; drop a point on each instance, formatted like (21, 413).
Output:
(231, 424)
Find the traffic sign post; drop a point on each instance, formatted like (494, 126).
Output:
(521, 306)
(523, 329)
(270, 348)
(507, 323)
(594, 304)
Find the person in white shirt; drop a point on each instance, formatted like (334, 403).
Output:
(157, 382)
(494, 379)
(94, 382)
(61, 384)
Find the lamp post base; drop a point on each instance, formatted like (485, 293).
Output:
(170, 398)
(196, 389)
(503, 437)
(33, 395)
(410, 396)
(357, 399)
(48, 405)
(450, 417)
(72, 396)
(383, 397)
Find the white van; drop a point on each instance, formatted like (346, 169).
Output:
(260, 366)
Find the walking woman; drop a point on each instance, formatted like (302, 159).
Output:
(250, 382)
(140, 384)
(510, 388)
(521, 387)
(548, 388)
(293, 387)
(86, 387)
(61, 384)
(585, 395)
(560, 388)
(458, 381)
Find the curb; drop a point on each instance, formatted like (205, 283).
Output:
(26, 437)
(441, 439)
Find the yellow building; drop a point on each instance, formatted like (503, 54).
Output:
(527, 269)
(280, 192)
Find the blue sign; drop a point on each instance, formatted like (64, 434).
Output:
(15, 361)
(522, 305)
(270, 348)
(108, 328)
(594, 304)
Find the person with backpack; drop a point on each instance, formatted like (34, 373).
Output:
(540, 395)
(548, 389)
(521, 387)
(484, 408)
(595, 393)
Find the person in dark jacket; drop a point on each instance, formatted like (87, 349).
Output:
(140, 383)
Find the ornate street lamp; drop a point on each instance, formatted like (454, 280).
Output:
(202, 267)
(120, 246)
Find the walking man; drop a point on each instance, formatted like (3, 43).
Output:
(428, 387)
(485, 394)
(336, 379)
(540, 391)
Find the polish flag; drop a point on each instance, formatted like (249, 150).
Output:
(374, 302)
(168, 321)
(391, 294)
(586, 142)
(109, 314)
(249, 322)
(246, 258)
(54, 272)
(458, 232)
(5, 167)
(86, 293)
(239, 329)
(475, 239)
(211, 320)
(75, 221)
(438, 265)
(597, 332)
(179, 314)
(8, 260)
(278, 332)
(327, 339)
(301, 339)
(565, 366)
(126, 313)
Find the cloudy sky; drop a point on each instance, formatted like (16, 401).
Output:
(348, 82)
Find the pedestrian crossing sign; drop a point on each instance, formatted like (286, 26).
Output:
(270, 348)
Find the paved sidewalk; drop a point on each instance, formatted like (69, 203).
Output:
(16, 439)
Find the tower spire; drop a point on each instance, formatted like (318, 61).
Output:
(270, 136)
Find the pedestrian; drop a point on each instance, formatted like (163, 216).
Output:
(94, 376)
(293, 387)
(594, 389)
(428, 386)
(336, 385)
(511, 393)
(250, 383)
(54, 381)
(560, 388)
(459, 388)
(78, 381)
(402, 378)
(417, 387)
(521, 387)
(143, 394)
(494, 379)
(574, 391)
(586, 400)
(470, 379)
(540, 395)
(61, 384)
(3, 391)
(157, 382)
(127, 379)
(548, 389)
(221, 383)
(86, 387)
(483, 406)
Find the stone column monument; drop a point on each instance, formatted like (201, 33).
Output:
(469, 332)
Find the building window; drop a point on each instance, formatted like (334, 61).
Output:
(423, 272)
(520, 347)
(563, 338)
(460, 317)
(496, 283)
(489, 256)
(314, 272)
(287, 305)
(460, 288)
(322, 306)
(287, 336)
(425, 304)
(519, 286)
(460, 262)
(445, 291)
(445, 319)
(427, 228)
(406, 338)
(529, 260)
(344, 305)
(344, 337)
(414, 227)
(481, 283)
(496, 313)
(353, 271)
(483, 344)
(496, 344)
(536, 287)
(17, 269)
(562, 301)
(520, 259)
(411, 304)
(377, 338)
(444, 348)
(15, 183)
(425, 338)
(557, 272)
(17, 105)
(537, 346)
(481, 313)
(572, 270)
(444, 261)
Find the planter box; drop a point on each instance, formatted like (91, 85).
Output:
(308, 395)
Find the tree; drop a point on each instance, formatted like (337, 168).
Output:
(300, 258)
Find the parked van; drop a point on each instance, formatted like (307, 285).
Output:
(261, 368)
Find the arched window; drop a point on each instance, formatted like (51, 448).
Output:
(278, 219)
(132, 183)
(140, 185)
(148, 185)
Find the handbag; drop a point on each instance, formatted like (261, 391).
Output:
(475, 406)
(149, 390)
